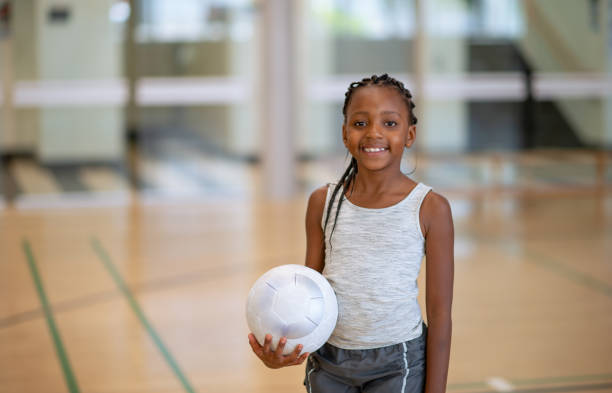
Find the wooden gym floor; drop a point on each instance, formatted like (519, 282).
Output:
(148, 295)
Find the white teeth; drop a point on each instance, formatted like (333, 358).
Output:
(374, 149)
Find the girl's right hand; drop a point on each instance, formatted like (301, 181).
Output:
(276, 359)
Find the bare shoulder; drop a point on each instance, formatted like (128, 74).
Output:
(436, 204)
(435, 211)
(318, 195)
(316, 202)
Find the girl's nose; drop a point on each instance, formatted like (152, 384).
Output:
(374, 132)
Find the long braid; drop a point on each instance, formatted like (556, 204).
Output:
(348, 178)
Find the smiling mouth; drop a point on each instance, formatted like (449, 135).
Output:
(374, 149)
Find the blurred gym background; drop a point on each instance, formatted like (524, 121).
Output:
(156, 157)
(207, 99)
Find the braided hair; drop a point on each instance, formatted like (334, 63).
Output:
(348, 178)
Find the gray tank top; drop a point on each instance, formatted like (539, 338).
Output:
(373, 264)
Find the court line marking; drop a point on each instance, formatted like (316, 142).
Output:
(500, 384)
(173, 281)
(59, 307)
(57, 340)
(121, 284)
(166, 283)
(584, 280)
(578, 277)
(555, 389)
(535, 381)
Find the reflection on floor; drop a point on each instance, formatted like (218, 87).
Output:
(181, 172)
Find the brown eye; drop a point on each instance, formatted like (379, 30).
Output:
(390, 123)
(359, 123)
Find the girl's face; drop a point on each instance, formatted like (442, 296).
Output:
(377, 127)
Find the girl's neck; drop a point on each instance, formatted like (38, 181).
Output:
(372, 183)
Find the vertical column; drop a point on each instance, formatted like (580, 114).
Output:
(278, 98)
(419, 65)
(603, 157)
(316, 47)
(420, 49)
(130, 57)
(132, 126)
(7, 120)
(438, 57)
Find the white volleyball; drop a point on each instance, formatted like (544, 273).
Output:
(292, 301)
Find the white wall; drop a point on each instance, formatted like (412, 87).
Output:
(87, 46)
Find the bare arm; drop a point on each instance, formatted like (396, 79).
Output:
(315, 245)
(437, 219)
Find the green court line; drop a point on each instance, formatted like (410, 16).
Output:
(57, 340)
(576, 378)
(534, 381)
(571, 274)
(577, 277)
(108, 264)
(188, 278)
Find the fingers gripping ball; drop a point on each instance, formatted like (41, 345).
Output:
(292, 301)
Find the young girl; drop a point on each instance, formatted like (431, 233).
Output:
(367, 235)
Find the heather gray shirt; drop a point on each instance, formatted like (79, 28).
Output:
(373, 264)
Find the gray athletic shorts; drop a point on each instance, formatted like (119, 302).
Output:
(397, 368)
